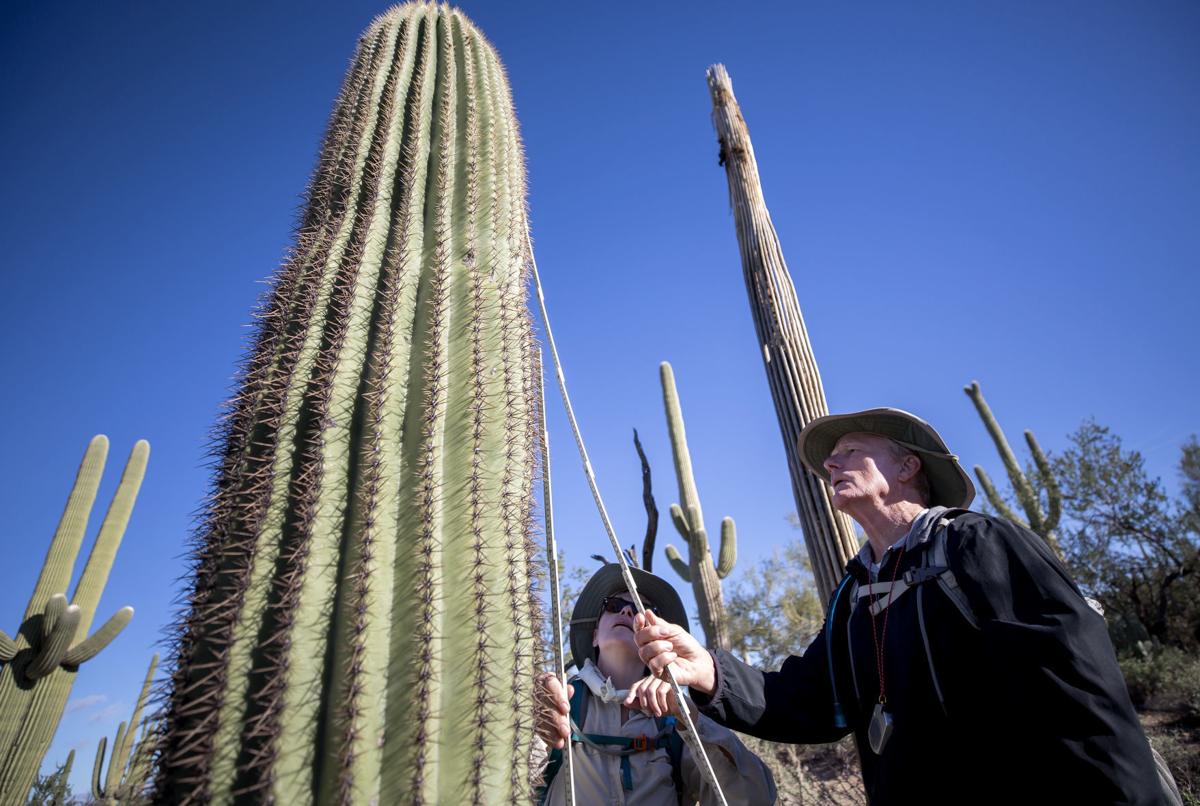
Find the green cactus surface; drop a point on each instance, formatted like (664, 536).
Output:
(129, 764)
(363, 622)
(1041, 522)
(41, 662)
(688, 518)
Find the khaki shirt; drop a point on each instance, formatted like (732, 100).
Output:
(744, 778)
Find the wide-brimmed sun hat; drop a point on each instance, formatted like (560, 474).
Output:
(949, 484)
(606, 582)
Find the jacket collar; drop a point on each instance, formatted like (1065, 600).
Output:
(919, 533)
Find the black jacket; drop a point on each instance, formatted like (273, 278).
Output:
(1036, 709)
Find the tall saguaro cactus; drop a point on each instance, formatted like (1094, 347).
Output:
(40, 663)
(1042, 523)
(786, 352)
(699, 569)
(363, 625)
(129, 763)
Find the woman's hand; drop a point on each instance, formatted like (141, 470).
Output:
(552, 710)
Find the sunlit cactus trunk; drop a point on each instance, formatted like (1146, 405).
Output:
(786, 351)
(362, 626)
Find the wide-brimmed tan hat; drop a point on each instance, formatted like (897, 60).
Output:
(949, 484)
(606, 582)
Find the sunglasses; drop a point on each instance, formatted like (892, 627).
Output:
(615, 604)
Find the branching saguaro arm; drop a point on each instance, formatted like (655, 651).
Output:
(40, 663)
(363, 624)
(786, 352)
(1041, 522)
(699, 569)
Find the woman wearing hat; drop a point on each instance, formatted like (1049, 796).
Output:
(957, 648)
(623, 754)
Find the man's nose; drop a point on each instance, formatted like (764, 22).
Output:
(830, 463)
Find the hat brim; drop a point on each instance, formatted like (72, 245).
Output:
(949, 484)
(607, 581)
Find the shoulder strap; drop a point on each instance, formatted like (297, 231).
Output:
(935, 565)
(673, 742)
(579, 705)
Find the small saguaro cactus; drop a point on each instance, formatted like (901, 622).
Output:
(1042, 523)
(40, 663)
(128, 766)
(689, 521)
(363, 619)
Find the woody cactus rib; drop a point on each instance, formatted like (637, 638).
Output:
(786, 352)
(128, 765)
(1042, 523)
(41, 662)
(688, 518)
(362, 623)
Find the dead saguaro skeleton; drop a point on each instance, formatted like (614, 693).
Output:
(786, 352)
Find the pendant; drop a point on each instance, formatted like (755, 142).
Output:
(880, 729)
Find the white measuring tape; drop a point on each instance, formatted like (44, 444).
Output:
(690, 735)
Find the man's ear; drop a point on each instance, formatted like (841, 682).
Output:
(909, 468)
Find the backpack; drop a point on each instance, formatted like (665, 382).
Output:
(936, 568)
(623, 746)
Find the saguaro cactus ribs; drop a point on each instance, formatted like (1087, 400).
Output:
(363, 624)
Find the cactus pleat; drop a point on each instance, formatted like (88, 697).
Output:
(363, 624)
(42, 660)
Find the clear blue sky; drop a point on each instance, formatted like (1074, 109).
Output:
(1007, 191)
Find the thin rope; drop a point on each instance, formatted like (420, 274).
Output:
(690, 736)
(552, 561)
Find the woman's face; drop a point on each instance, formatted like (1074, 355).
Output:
(614, 630)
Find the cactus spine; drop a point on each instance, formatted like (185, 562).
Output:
(689, 521)
(40, 663)
(1042, 523)
(128, 766)
(362, 626)
(787, 354)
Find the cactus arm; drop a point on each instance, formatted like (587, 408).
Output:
(994, 497)
(116, 761)
(1046, 473)
(8, 647)
(99, 563)
(54, 648)
(88, 648)
(68, 537)
(681, 522)
(727, 556)
(55, 608)
(1021, 486)
(98, 769)
(678, 563)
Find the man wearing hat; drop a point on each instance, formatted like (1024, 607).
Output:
(621, 753)
(957, 648)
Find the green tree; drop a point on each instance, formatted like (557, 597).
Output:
(773, 610)
(54, 789)
(1128, 543)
